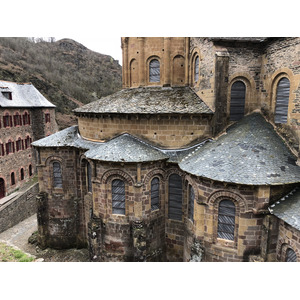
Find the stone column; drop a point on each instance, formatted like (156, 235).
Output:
(142, 63)
(166, 80)
(187, 58)
(125, 62)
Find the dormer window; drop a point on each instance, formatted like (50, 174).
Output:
(7, 95)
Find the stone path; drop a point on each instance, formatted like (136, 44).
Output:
(17, 236)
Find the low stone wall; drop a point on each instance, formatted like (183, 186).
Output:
(19, 208)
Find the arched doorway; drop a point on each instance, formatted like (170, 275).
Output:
(2, 188)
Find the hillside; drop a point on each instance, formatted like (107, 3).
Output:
(67, 73)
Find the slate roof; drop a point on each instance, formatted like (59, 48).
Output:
(288, 208)
(249, 153)
(124, 148)
(23, 95)
(149, 100)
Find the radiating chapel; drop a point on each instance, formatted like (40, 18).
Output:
(195, 159)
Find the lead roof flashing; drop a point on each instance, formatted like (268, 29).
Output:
(149, 100)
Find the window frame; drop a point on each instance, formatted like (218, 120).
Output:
(151, 69)
(57, 181)
(191, 203)
(114, 195)
(155, 205)
(172, 216)
(232, 216)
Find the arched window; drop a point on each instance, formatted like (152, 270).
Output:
(22, 174)
(10, 147)
(196, 69)
(26, 118)
(175, 197)
(155, 193)
(17, 119)
(237, 101)
(2, 188)
(19, 144)
(290, 255)
(12, 178)
(282, 100)
(28, 142)
(191, 203)
(89, 177)
(30, 170)
(154, 70)
(226, 220)
(7, 120)
(118, 197)
(57, 175)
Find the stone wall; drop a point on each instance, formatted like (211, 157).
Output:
(19, 208)
(166, 131)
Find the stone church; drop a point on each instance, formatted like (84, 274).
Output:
(195, 159)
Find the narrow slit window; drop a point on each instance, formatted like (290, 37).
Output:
(282, 100)
(89, 177)
(118, 197)
(226, 220)
(154, 70)
(57, 175)
(175, 197)
(12, 178)
(237, 101)
(191, 203)
(155, 193)
(196, 69)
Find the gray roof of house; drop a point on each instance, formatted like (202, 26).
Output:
(123, 148)
(288, 208)
(250, 153)
(23, 95)
(149, 100)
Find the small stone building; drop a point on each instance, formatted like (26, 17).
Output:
(189, 162)
(25, 116)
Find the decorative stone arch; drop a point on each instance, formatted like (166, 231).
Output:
(240, 203)
(134, 72)
(52, 158)
(195, 52)
(49, 165)
(148, 61)
(109, 175)
(178, 70)
(250, 95)
(275, 78)
(156, 172)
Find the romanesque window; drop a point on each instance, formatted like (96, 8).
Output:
(17, 119)
(196, 69)
(191, 203)
(226, 220)
(154, 70)
(175, 197)
(19, 144)
(237, 101)
(282, 100)
(12, 178)
(22, 174)
(155, 193)
(290, 255)
(89, 177)
(26, 118)
(57, 175)
(2, 152)
(47, 118)
(118, 196)
(10, 147)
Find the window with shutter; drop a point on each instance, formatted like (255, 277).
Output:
(155, 193)
(226, 220)
(237, 101)
(57, 175)
(175, 197)
(154, 71)
(118, 197)
(191, 203)
(290, 255)
(282, 100)
(196, 69)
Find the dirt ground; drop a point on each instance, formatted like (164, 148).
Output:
(18, 236)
